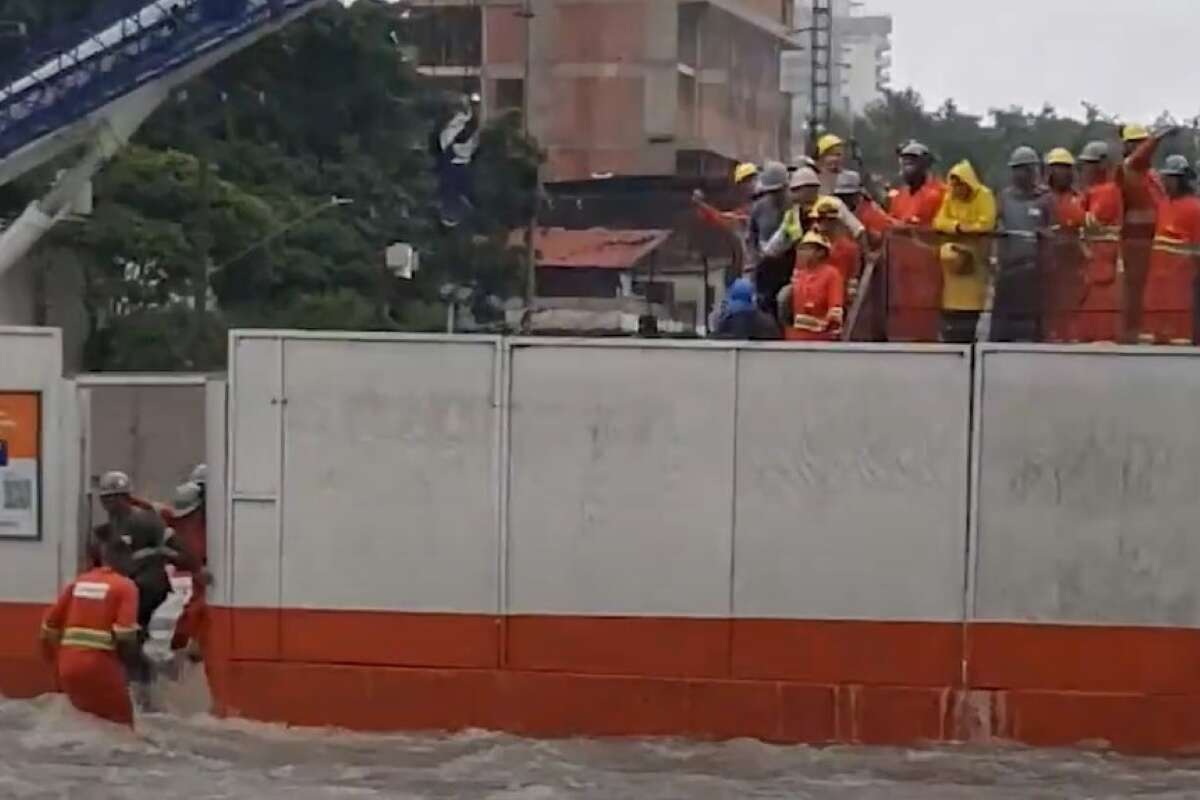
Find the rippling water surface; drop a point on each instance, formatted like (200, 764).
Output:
(48, 751)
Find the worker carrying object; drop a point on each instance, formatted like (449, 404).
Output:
(90, 631)
(1169, 299)
(968, 211)
(1097, 316)
(189, 525)
(149, 551)
(914, 271)
(813, 306)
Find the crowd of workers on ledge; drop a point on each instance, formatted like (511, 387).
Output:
(1097, 246)
(94, 634)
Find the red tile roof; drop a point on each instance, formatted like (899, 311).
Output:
(599, 248)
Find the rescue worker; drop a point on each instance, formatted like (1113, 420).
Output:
(812, 307)
(1063, 284)
(1097, 317)
(968, 212)
(766, 213)
(1141, 195)
(189, 524)
(1170, 284)
(845, 254)
(732, 224)
(90, 631)
(149, 552)
(742, 318)
(1026, 214)
(778, 257)
(849, 190)
(914, 275)
(831, 152)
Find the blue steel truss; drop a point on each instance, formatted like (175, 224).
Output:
(124, 45)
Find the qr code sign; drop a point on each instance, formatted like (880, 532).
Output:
(18, 494)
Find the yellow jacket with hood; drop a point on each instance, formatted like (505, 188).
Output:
(965, 263)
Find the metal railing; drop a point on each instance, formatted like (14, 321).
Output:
(1054, 287)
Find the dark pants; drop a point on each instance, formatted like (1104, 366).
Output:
(152, 593)
(1016, 312)
(958, 327)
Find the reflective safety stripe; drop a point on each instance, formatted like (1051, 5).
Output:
(90, 590)
(807, 322)
(1175, 246)
(88, 639)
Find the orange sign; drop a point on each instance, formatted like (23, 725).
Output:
(20, 464)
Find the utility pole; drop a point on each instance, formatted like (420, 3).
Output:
(821, 55)
(528, 15)
(202, 237)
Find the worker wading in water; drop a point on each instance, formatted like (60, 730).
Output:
(90, 631)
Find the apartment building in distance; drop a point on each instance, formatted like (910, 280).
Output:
(617, 88)
(861, 60)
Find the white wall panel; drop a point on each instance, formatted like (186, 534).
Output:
(31, 361)
(254, 545)
(851, 483)
(1089, 500)
(621, 471)
(254, 415)
(391, 474)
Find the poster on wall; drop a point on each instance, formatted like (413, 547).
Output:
(20, 465)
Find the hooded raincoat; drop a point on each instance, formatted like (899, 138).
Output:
(965, 279)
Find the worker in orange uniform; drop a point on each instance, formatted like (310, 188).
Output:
(913, 267)
(968, 212)
(1168, 301)
(1097, 316)
(849, 190)
(1142, 193)
(812, 307)
(189, 526)
(732, 224)
(90, 631)
(1063, 281)
(845, 254)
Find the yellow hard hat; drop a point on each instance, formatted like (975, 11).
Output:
(744, 171)
(812, 237)
(825, 207)
(1060, 155)
(828, 142)
(1134, 133)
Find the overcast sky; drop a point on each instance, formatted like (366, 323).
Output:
(1132, 59)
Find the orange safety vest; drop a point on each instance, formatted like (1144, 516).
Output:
(1167, 301)
(847, 257)
(818, 304)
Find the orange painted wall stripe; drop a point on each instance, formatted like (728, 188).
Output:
(649, 646)
(1109, 659)
(385, 638)
(820, 651)
(21, 423)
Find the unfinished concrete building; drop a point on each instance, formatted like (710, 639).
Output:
(619, 87)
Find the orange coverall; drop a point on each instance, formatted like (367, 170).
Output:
(818, 304)
(190, 530)
(1064, 282)
(1142, 193)
(1098, 316)
(874, 219)
(83, 626)
(1167, 302)
(914, 270)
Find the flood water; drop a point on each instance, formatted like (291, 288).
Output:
(48, 751)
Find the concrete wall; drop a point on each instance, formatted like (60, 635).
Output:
(1087, 504)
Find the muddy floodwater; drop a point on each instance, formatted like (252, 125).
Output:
(47, 751)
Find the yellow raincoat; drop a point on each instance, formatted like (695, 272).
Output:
(965, 262)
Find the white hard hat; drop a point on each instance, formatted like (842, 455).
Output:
(112, 483)
(188, 497)
(200, 474)
(805, 176)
